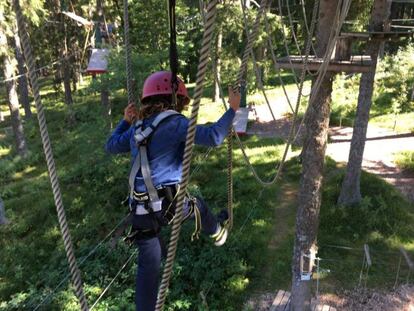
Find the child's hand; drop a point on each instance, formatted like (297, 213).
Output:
(130, 113)
(234, 98)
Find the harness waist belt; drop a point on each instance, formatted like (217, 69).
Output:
(141, 203)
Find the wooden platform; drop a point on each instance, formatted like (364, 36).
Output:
(240, 121)
(282, 303)
(356, 64)
(390, 35)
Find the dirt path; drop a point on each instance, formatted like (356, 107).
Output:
(379, 151)
(380, 147)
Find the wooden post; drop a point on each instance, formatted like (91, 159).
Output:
(343, 49)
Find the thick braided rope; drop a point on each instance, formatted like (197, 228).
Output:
(341, 14)
(251, 39)
(176, 227)
(291, 133)
(128, 64)
(230, 177)
(67, 241)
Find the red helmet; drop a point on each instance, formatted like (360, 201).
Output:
(159, 83)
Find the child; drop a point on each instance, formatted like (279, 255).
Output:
(156, 142)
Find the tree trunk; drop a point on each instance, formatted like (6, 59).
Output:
(20, 140)
(64, 65)
(23, 84)
(3, 219)
(313, 156)
(351, 190)
(216, 94)
(66, 80)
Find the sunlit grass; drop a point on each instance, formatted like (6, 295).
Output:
(401, 123)
(405, 160)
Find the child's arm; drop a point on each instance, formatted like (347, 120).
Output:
(119, 140)
(214, 135)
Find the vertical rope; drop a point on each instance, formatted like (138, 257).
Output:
(128, 64)
(251, 39)
(230, 177)
(201, 72)
(67, 241)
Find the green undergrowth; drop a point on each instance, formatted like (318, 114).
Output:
(383, 220)
(405, 160)
(400, 123)
(93, 185)
(256, 258)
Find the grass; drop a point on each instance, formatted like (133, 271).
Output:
(256, 258)
(401, 123)
(405, 160)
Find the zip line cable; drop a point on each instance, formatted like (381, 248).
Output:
(38, 69)
(128, 61)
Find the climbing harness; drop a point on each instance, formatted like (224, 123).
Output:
(141, 137)
(158, 203)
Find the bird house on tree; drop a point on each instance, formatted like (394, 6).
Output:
(98, 63)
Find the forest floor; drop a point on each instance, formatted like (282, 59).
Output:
(380, 149)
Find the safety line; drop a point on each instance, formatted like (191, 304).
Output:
(37, 69)
(114, 279)
(81, 262)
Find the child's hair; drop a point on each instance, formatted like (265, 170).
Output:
(159, 103)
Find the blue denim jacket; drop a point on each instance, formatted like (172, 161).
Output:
(166, 145)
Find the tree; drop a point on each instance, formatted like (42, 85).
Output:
(9, 69)
(351, 188)
(313, 156)
(3, 219)
(23, 85)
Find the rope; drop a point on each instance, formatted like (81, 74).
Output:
(295, 37)
(243, 68)
(335, 31)
(176, 227)
(74, 270)
(128, 63)
(114, 279)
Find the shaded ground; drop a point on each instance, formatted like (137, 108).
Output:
(400, 299)
(380, 147)
(379, 152)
